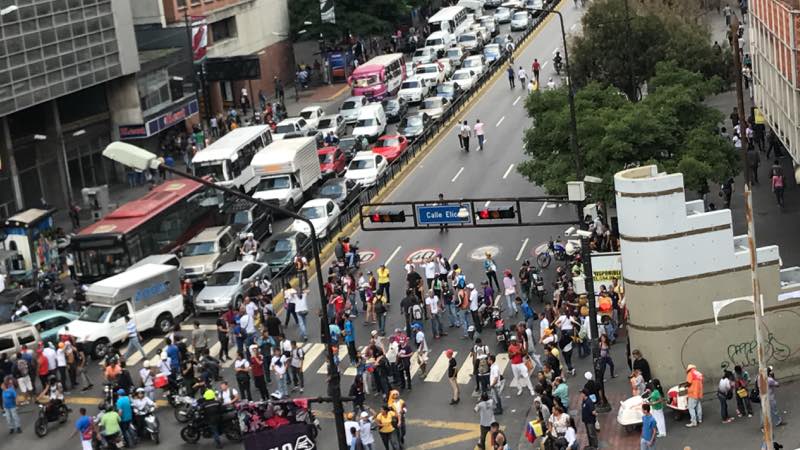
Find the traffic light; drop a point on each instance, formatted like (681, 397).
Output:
(488, 214)
(387, 217)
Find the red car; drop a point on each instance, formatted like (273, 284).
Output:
(331, 161)
(390, 146)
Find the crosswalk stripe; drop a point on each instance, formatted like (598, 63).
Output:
(502, 361)
(465, 373)
(148, 347)
(414, 364)
(439, 368)
(311, 354)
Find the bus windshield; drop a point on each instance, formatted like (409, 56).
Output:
(367, 80)
(210, 169)
(102, 262)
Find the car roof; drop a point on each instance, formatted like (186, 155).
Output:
(355, 98)
(239, 204)
(316, 202)
(330, 117)
(14, 326)
(290, 120)
(12, 295)
(413, 78)
(311, 108)
(365, 154)
(235, 266)
(39, 316)
(391, 136)
(287, 234)
(209, 234)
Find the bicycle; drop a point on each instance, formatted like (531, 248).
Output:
(554, 250)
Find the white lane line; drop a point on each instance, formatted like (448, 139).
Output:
(541, 210)
(486, 205)
(148, 347)
(392, 255)
(505, 175)
(465, 373)
(573, 26)
(500, 121)
(516, 100)
(455, 252)
(311, 355)
(545, 64)
(522, 249)
(457, 174)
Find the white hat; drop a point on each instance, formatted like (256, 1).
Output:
(364, 415)
(588, 375)
(470, 286)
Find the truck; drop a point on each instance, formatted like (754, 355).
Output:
(150, 295)
(288, 170)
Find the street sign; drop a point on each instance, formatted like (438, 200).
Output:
(443, 214)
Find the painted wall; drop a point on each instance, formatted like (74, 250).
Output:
(676, 262)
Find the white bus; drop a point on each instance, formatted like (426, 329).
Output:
(228, 158)
(452, 19)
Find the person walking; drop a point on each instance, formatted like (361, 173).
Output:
(523, 77)
(536, 67)
(301, 308)
(742, 380)
(605, 355)
(452, 372)
(384, 283)
(589, 419)
(694, 382)
(724, 393)
(257, 372)
(656, 402)
(510, 72)
(296, 367)
(495, 384)
(753, 161)
(478, 129)
(517, 355)
(386, 420)
(242, 368)
(223, 330)
(490, 268)
(134, 339)
(434, 305)
(464, 134)
(10, 405)
(485, 409)
(778, 182)
(773, 384)
(510, 291)
(648, 440)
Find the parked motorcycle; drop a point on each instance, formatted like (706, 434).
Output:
(198, 427)
(502, 334)
(50, 412)
(183, 408)
(147, 423)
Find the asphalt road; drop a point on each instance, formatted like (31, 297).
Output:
(456, 174)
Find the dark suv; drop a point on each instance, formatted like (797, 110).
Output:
(247, 217)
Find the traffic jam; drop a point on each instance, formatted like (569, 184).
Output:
(156, 304)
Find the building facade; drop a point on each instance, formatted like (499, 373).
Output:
(774, 35)
(256, 28)
(688, 286)
(66, 80)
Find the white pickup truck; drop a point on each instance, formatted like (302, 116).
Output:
(149, 294)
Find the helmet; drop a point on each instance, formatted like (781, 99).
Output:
(139, 391)
(209, 395)
(121, 392)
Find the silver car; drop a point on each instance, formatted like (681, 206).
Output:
(333, 123)
(228, 284)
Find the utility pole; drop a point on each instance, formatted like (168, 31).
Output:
(195, 81)
(763, 386)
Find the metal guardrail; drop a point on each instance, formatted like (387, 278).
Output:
(283, 278)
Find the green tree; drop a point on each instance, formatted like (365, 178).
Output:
(670, 127)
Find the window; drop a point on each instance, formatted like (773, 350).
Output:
(224, 242)
(181, 3)
(223, 29)
(249, 270)
(6, 343)
(25, 337)
(119, 313)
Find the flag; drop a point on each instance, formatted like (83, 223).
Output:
(326, 11)
(199, 40)
(533, 430)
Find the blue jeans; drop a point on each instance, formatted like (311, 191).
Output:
(301, 322)
(452, 314)
(465, 322)
(382, 324)
(512, 306)
(12, 418)
(281, 388)
(645, 445)
(436, 324)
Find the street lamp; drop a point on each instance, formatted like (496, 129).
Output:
(140, 159)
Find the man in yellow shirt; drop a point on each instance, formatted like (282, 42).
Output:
(383, 283)
(386, 420)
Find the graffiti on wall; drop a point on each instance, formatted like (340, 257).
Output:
(744, 353)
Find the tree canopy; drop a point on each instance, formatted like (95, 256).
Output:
(670, 127)
(352, 16)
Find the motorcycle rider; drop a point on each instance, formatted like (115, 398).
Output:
(249, 246)
(212, 413)
(126, 417)
(52, 394)
(141, 408)
(557, 62)
(108, 420)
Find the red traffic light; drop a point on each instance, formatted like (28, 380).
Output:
(507, 213)
(388, 217)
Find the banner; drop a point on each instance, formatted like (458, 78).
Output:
(326, 11)
(295, 436)
(199, 40)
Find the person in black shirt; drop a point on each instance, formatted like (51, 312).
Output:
(222, 334)
(642, 365)
(452, 371)
(405, 306)
(273, 324)
(124, 380)
(414, 281)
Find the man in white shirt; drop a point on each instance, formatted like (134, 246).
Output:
(434, 309)
(301, 308)
(463, 136)
(495, 384)
(430, 272)
(351, 428)
(228, 394)
(365, 430)
(50, 353)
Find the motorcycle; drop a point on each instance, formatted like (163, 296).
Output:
(112, 442)
(50, 413)
(538, 286)
(197, 426)
(182, 408)
(557, 65)
(502, 334)
(147, 423)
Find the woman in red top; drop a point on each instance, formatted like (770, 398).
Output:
(41, 367)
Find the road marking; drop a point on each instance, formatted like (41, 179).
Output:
(455, 252)
(573, 26)
(488, 202)
(457, 174)
(392, 255)
(500, 121)
(414, 364)
(448, 441)
(516, 100)
(545, 64)
(148, 347)
(505, 175)
(465, 373)
(496, 300)
(521, 249)
(312, 354)
(502, 361)
(439, 368)
(541, 210)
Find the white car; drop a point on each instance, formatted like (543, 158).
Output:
(482, 31)
(351, 107)
(447, 67)
(475, 63)
(513, 4)
(365, 168)
(490, 23)
(413, 90)
(520, 21)
(290, 125)
(423, 55)
(471, 42)
(434, 107)
(535, 7)
(455, 55)
(312, 114)
(465, 78)
(431, 74)
(333, 123)
(502, 14)
(323, 214)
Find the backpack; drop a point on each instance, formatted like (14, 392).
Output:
(416, 312)
(461, 281)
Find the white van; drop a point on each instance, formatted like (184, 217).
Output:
(150, 295)
(371, 122)
(439, 41)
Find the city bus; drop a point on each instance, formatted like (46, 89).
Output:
(227, 159)
(159, 222)
(452, 19)
(380, 77)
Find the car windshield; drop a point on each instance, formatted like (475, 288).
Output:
(306, 114)
(433, 42)
(431, 103)
(223, 279)
(242, 217)
(410, 84)
(95, 313)
(313, 212)
(426, 69)
(325, 123)
(391, 104)
(520, 16)
(349, 105)
(421, 52)
(461, 76)
(387, 142)
(365, 123)
(286, 128)
(472, 63)
(332, 190)
(268, 184)
(453, 53)
(502, 11)
(213, 170)
(347, 143)
(466, 38)
(198, 248)
(279, 246)
(325, 158)
(365, 81)
(414, 121)
(444, 89)
(358, 164)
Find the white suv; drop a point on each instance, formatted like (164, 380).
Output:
(413, 90)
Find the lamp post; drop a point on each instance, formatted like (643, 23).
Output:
(140, 159)
(573, 119)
